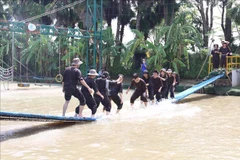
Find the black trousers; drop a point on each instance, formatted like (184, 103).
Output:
(164, 92)
(117, 100)
(150, 92)
(105, 102)
(91, 103)
(157, 94)
(137, 94)
(215, 61)
(68, 93)
(223, 61)
(170, 89)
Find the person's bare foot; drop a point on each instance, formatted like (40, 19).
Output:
(80, 116)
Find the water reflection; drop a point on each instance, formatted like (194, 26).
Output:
(28, 131)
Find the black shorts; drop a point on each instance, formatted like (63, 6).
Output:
(76, 93)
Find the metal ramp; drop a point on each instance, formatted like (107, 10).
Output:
(194, 88)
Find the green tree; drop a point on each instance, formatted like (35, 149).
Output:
(180, 36)
(41, 52)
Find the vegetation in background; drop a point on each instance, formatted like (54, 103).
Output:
(164, 29)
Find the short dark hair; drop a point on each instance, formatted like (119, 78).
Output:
(135, 75)
(155, 71)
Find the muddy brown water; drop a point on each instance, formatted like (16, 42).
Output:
(200, 127)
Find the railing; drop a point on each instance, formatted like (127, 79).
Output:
(232, 62)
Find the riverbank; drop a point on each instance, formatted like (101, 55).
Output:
(184, 84)
(210, 89)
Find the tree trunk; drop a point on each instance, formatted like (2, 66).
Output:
(227, 26)
(117, 38)
(121, 33)
(168, 11)
(138, 20)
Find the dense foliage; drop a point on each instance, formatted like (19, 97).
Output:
(172, 34)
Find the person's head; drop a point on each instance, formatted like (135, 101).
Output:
(136, 77)
(169, 71)
(120, 77)
(163, 71)
(155, 73)
(143, 60)
(92, 73)
(105, 75)
(174, 74)
(225, 43)
(215, 46)
(146, 74)
(76, 62)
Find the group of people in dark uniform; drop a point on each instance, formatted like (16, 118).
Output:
(156, 86)
(222, 52)
(102, 90)
(93, 92)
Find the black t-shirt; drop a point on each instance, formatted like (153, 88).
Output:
(140, 86)
(170, 80)
(165, 84)
(101, 85)
(71, 78)
(224, 51)
(215, 55)
(116, 88)
(157, 83)
(91, 83)
(147, 81)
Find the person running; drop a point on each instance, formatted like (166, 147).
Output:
(163, 76)
(71, 77)
(157, 86)
(147, 79)
(170, 82)
(140, 89)
(215, 56)
(103, 85)
(115, 93)
(225, 51)
(90, 101)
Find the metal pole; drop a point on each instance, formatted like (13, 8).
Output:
(95, 32)
(100, 44)
(87, 26)
(13, 50)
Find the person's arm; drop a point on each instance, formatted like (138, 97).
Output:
(174, 81)
(129, 87)
(120, 93)
(99, 94)
(85, 85)
(63, 86)
(96, 89)
(229, 51)
(161, 84)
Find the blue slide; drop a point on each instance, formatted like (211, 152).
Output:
(196, 87)
(15, 116)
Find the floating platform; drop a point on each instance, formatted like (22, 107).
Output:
(14, 116)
